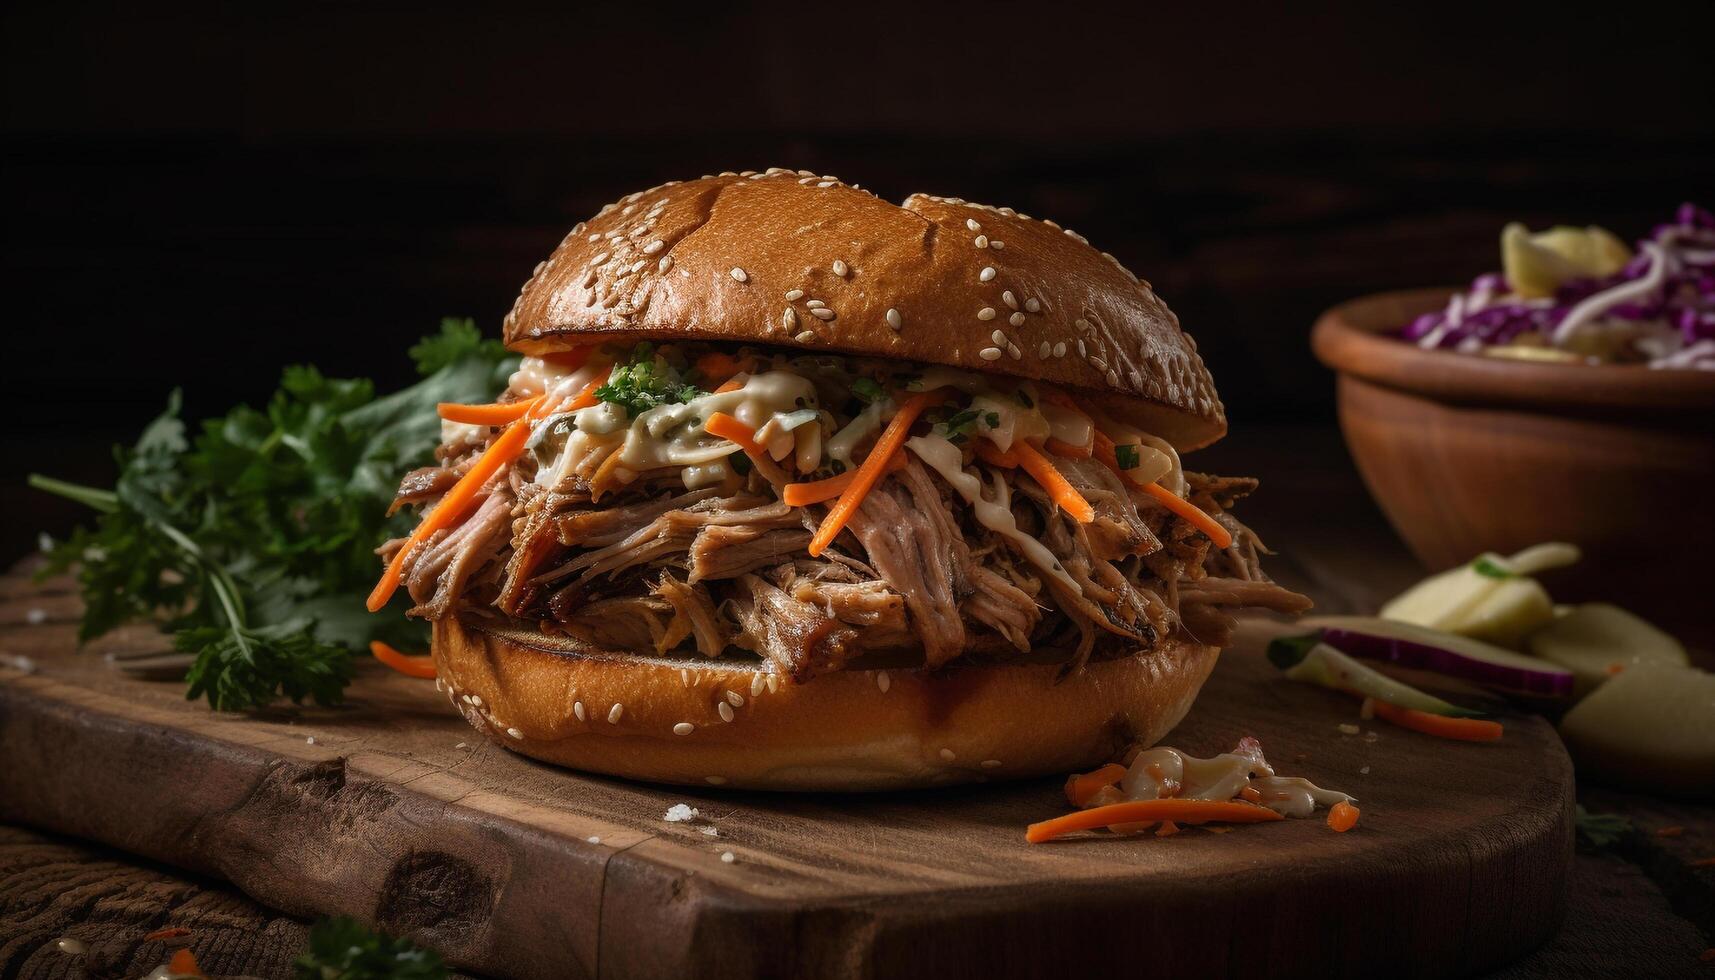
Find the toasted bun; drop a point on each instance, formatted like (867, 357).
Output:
(561, 701)
(715, 259)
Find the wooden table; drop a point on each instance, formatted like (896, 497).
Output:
(1635, 909)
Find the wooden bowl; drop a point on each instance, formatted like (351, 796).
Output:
(1467, 454)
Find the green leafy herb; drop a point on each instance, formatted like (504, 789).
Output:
(345, 949)
(1127, 456)
(646, 381)
(1488, 568)
(1601, 829)
(958, 426)
(867, 390)
(992, 420)
(253, 540)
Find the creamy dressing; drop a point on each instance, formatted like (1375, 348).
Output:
(1163, 773)
(946, 459)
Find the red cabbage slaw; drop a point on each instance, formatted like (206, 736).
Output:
(1659, 309)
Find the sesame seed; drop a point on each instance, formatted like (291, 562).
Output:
(665, 264)
(735, 699)
(991, 763)
(947, 755)
(1017, 319)
(615, 713)
(578, 709)
(822, 313)
(1044, 350)
(825, 184)
(971, 223)
(1033, 305)
(684, 728)
(756, 683)
(685, 676)
(1060, 348)
(635, 267)
(475, 699)
(998, 244)
(1082, 324)
(727, 857)
(600, 259)
(989, 353)
(654, 246)
(740, 274)
(773, 683)
(987, 273)
(840, 268)
(594, 839)
(515, 733)
(789, 319)
(1113, 377)
(1009, 299)
(595, 236)
(894, 320)
(816, 304)
(807, 180)
(883, 681)
(986, 313)
(805, 336)
(1014, 351)
(1081, 351)
(725, 711)
(999, 338)
(715, 780)
(793, 295)
(538, 270)
(982, 241)
(589, 279)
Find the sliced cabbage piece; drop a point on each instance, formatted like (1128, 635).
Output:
(1595, 640)
(1650, 727)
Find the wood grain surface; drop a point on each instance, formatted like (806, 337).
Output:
(391, 809)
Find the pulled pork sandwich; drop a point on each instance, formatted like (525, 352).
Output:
(799, 489)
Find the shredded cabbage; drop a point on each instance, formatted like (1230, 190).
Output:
(1659, 309)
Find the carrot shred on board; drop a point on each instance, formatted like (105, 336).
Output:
(1061, 447)
(1167, 829)
(419, 666)
(1250, 795)
(1062, 492)
(171, 932)
(1192, 514)
(496, 414)
(1463, 729)
(724, 426)
(819, 491)
(1081, 786)
(869, 473)
(1708, 862)
(452, 506)
(1141, 811)
(1673, 831)
(990, 453)
(1342, 817)
(185, 963)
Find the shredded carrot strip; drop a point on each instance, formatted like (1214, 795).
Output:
(185, 963)
(1250, 794)
(1063, 493)
(1191, 513)
(1139, 811)
(452, 507)
(585, 398)
(732, 384)
(819, 491)
(869, 474)
(1102, 447)
(1081, 786)
(604, 473)
(990, 453)
(726, 427)
(1463, 729)
(171, 932)
(718, 365)
(1061, 447)
(1168, 829)
(1343, 817)
(418, 666)
(495, 414)
(570, 359)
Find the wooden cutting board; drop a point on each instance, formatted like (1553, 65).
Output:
(392, 809)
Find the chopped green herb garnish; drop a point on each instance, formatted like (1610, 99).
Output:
(646, 381)
(346, 949)
(957, 428)
(992, 420)
(867, 390)
(1601, 829)
(1488, 568)
(1127, 456)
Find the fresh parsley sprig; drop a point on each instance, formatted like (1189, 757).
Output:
(253, 541)
(647, 380)
(346, 949)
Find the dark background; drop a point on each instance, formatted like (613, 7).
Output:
(195, 195)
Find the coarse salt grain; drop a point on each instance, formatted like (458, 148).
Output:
(680, 812)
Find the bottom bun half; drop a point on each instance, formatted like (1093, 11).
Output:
(694, 721)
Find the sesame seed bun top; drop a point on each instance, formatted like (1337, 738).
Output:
(792, 259)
